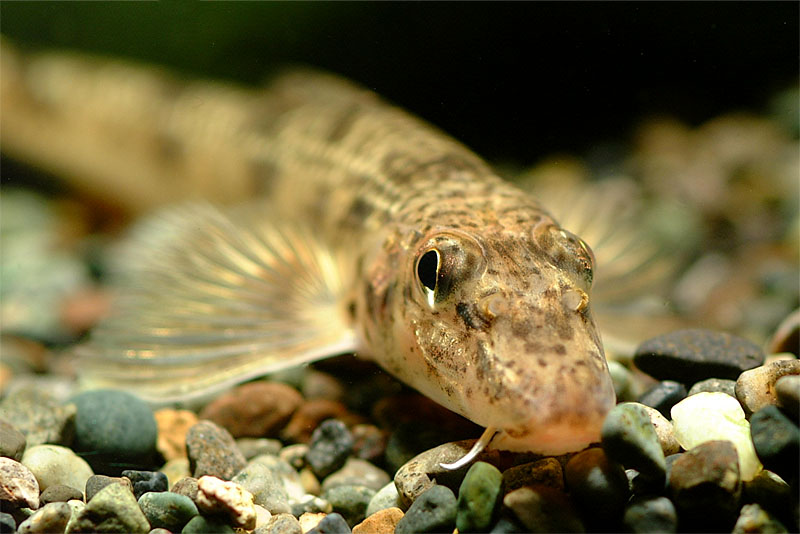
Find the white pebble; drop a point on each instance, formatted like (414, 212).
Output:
(53, 464)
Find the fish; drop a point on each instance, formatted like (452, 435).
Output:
(364, 230)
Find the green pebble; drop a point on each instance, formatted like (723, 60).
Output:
(629, 438)
(350, 501)
(165, 509)
(113, 509)
(477, 497)
(433, 511)
(204, 525)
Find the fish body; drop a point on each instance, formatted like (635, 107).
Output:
(367, 231)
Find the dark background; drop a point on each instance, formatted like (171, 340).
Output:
(515, 81)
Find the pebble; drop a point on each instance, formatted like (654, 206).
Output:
(265, 486)
(77, 507)
(382, 522)
(310, 520)
(308, 417)
(787, 336)
(331, 444)
(663, 396)
(12, 441)
(50, 518)
(623, 381)
(478, 497)
(706, 486)
(357, 471)
(753, 518)
(598, 486)
(96, 483)
(386, 497)
(7, 523)
(311, 503)
(219, 496)
(350, 501)
(256, 409)
(310, 481)
(59, 493)
(116, 427)
(774, 494)
(294, 455)
(212, 451)
(176, 469)
(145, 481)
(776, 439)
(53, 464)
(113, 509)
(280, 524)
(369, 442)
(546, 472)
(206, 525)
(18, 485)
(689, 356)
(187, 487)
(285, 473)
(756, 388)
(713, 385)
(650, 514)
(172, 427)
(433, 511)
(664, 431)
(331, 524)
(715, 416)
(787, 391)
(168, 510)
(38, 416)
(543, 509)
(252, 447)
(630, 439)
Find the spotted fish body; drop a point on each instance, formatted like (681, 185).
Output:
(370, 231)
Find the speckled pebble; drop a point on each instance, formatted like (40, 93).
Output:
(546, 472)
(51, 518)
(219, 496)
(331, 524)
(650, 514)
(706, 486)
(331, 444)
(689, 356)
(12, 441)
(165, 509)
(433, 511)
(280, 524)
(630, 439)
(59, 493)
(7, 523)
(663, 396)
(172, 428)
(777, 442)
(386, 497)
(664, 431)
(39, 416)
(753, 518)
(206, 525)
(715, 416)
(382, 522)
(787, 391)
(146, 481)
(113, 509)
(598, 486)
(95, 483)
(116, 427)
(543, 509)
(350, 501)
(212, 451)
(18, 485)
(186, 486)
(53, 464)
(357, 471)
(256, 409)
(714, 385)
(265, 486)
(478, 497)
(756, 388)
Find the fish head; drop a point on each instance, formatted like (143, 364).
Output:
(496, 325)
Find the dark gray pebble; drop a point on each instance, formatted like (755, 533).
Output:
(350, 501)
(598, 486)
(331, 524)
(165, 509)
(212, 451)
(206, 525)
(478, 497)
(433, 511)
(714, 385)
(59, 493)
(663, 396)
(114, 428)
(12, 441)
(96, 483)
(547, 472)
(629, 438)
(145, 481)
(331, 444)
(689, 356)
(39, 416)
(777, 442)
(650, 514)
(7, 523)
(543, 509)
(774, 494)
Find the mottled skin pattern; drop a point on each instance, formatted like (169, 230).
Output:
(494, 323)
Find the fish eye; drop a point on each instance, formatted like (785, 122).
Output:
(428, 270)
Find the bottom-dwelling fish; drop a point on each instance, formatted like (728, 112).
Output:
(371, 232)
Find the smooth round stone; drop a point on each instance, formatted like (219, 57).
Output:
(18, 485)
(715, 416)
(265, 486)
(387, 497)
(115, 427)
(280, 524)
(52, 517)
(714, 385)
(753, 518)
(598, 485)
(331, 524)
(212, 451)
(114, 509)
(216, 496)
(689, 356)
(382, 522)
(755, 389)
(97, 482)
(787, 390)
(167, 510)
(629, 438)
(53, 464)
(706, 485)
(59, 493)
(478, 497)
(650, 514)
(12, 441)
(206, 525)
(39, 416)
(663, 396)
(777, 442)
(146, 481)
(350, 501)
(546, 472)
(331, 444)
(433, 511)
(542, 509)
(357, 472)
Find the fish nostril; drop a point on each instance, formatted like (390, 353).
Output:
(575, 300)
(492, 306)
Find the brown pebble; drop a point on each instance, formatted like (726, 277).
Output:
(381, 522)
(172, 427)
(369, 442)
(12, 441)
(60, 493)
(212, 451)
(309, 416)
(787, 336)
(256, 409)
(95, 483)
(755, 388)
(187, 487)
(547, 472)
